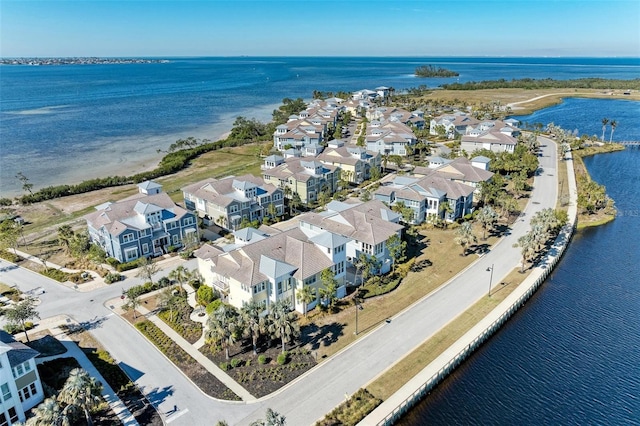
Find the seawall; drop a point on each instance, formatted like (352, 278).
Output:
(414, 390)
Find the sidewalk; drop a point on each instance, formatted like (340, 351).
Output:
(97, 281)
(116, 404)
(189, 348)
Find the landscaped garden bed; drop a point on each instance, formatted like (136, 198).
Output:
(261, 374)
(206, 381)
(178, 319)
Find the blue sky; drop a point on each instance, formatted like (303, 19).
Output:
(319, 28)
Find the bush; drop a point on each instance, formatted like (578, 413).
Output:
(113, 277)
(282, 358)
(113, 262)
(55, 274)
(172, 249)
(164, 282)
(205, 295)
(224, 366)
(187, 254)
(213, 306)
(262, 359)
(139, 290)
(235, 362)
(121, 267)
(11, 257)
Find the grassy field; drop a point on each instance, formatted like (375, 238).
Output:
(523, 97)
(439, 248)
(401, 372)
(43, 219)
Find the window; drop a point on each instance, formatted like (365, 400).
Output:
(6, 392)
(260, 287)
(27, 392)
(131, 253)
(127, 238)
(18, 371)
(3, 420)
(13, 415)
(176, 240)
(171, 225)
(145, 248)
(233, 208)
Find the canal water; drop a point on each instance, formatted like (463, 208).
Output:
(571, 355)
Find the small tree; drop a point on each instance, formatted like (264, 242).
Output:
(329, 288)
(22, 312)
(487, 218)
(82, 392)
(147, 269)
(272, 418)
(204, 295)
(26, 185)
(9, 234)
(167, 300)
(132, 302)
(397, 249)
(465, 236)
(283, 323)
(255, 323)
(305, 296)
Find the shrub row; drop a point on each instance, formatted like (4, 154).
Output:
(56, 274)
(139, 290)
(11, 257)
(352, 411)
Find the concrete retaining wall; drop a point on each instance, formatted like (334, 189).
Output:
(413, 391)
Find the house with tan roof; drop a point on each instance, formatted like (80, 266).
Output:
(425, 195)
(367, 226)
(20, 384)
(274, 268)
(305, 176)
(389, 138)
(146, 224)
(469, 172)
(231, 200)
(455, 123)
(355, 162)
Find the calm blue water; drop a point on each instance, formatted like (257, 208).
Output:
(571, 356)
(64, 124)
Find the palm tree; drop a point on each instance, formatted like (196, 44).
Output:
(181, 275)
(527, 248)
(446, 210)
(605, 121)
(614, 124)
(48, 413)
(81, 391)
(65, 234)
(254, 322)
(465, 236)
(133, 302)
(306, 295)
(487, 218)
(223, 325)
(283, 323)
(166, 300)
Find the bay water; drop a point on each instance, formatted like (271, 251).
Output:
(64, 124)
(571, 355)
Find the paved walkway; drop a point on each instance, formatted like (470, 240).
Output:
(53, 325)
(190, 349)
(97, 281)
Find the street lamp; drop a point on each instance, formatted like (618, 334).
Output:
(490, 269)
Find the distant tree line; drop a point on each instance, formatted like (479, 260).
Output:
(433, 71)
(546, 83)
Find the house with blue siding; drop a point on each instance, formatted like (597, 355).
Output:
(146, 224)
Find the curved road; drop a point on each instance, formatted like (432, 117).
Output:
(316, 393)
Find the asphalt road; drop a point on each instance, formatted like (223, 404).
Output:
(316, 393)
